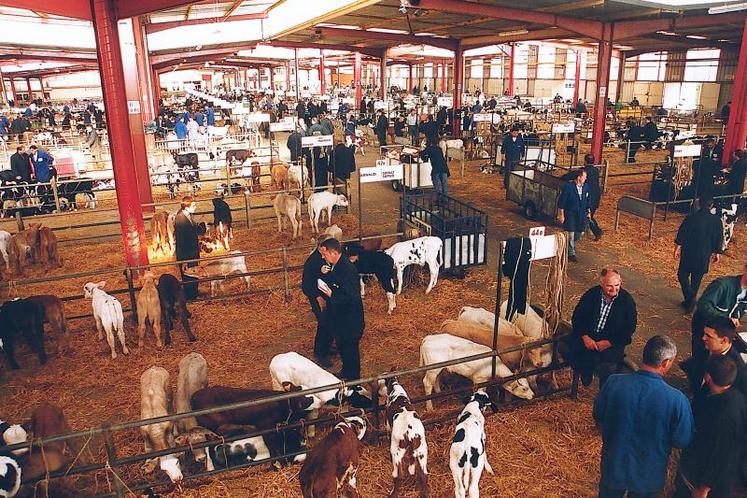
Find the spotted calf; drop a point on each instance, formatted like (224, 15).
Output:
(467, 457)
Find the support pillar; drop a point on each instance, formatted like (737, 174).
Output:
(620, 77)
(295, 61)
(4, 97)
(577, 77)
(322, 75)
(736, 129)
(409, 78)
(13, 91)
(444, 77)
(458, 81)
(604, 60)
(272, 78)
(143, 63)
(511, 70)
(156, 85)
(109, 54)
(28, 87)
(357, 81)
(382, 76)
(128, 45)
(287, 76)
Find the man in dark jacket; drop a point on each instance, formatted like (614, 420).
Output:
(343, 161)
(738, 172)
(382, 126)
(698, 241)
(512, 151)
(42, 163)
(706, 169)
(580, 108)
(187, 244)
(635, 137)
(650, 132)
(439, 167)
(20, 164)
(573, 210)
(312, 271)
(430, 129)
(441, 117)
(604, 321)
(294, 146)
(344, 307)
(725, 297)
(709, 466)
(301, 110)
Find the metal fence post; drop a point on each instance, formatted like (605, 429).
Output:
(111, 454)
(55, 193)
(131, 292)
(285, 274)
(19, 221)
(248, 208)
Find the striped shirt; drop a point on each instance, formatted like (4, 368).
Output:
(604, 312)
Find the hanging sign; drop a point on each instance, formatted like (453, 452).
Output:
(486, 117)
(317, 141)
(379, 104)
(445, 101)
(687, 150)
(287, 124)
(382, 172)
(257, 117)
(568, 127)
(537, 232)
(133, 107)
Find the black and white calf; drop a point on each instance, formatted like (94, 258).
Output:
(467, 457)
(10, 476)
(728, 214)
(376, 263)
(420, 251)
(223, 222)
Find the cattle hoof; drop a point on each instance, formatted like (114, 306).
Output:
(125, 351)
(114, 356)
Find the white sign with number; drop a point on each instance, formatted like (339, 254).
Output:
(486, 117)
(687, 150)
(257, 117)
(537, 232)
(379, 104)
(286, 124)
(445, 102)
(133, 107)
(568, 127)
(317, 141)
(384, 171)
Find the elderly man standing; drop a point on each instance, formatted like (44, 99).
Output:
(573, 210)
(642, 418)
(604, 321)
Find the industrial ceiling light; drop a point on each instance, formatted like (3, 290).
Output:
(729, 7)
(514, 32)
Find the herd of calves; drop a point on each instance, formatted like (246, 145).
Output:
(218, 439)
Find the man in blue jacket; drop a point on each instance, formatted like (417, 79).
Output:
(641, 418)
(42, 164)
(512, 151)
(573, 209)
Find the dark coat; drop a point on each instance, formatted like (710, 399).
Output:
(575, 208)
(345, 307)
(736, 176)
(513, 149)
(344, 161)
(20, 165)
(650, 131)
(382, 125)
(595, 190)
(696, 370)
(619, 327)
(720, 428)
(435, 155)
(700, 235)
(311, 272)
(705, 171)
(294, 146)
(185, 236)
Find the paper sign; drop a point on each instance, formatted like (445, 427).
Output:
(537, 232)
(602, 91)
(379, 104)
(391, 172)
(687, 150)
(486, 117)
(257, 117)
(283, 126)
(317, 141)
(371, 174)
(133, 107)
(445, 101)
(382, 172)
(568, 127)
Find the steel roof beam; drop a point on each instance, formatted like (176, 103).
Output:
(371, 52)
(632, 29)
(358, 34)
(537, 35)
(162, 26)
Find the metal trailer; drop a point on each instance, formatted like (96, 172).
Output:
(462, 228)
(535, 191)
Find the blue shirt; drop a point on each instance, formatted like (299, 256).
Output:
(642, 418)
(181, 130)
(210, 116)
(42, 163)
(199, 119)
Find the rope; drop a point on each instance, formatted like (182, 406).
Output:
(554, 285)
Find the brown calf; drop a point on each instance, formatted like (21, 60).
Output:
(48, 420)
(148, 309)
(159, 232)
(173, 306)
(54, 315)
(23, 248)
(279, 174)
(48, 247)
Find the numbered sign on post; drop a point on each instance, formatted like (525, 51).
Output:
(537, 232)
(568, 127)
(687, 150)
(317, 141)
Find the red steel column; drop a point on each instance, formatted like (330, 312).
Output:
(141, 51)
(322, 76)
(272, 78)
(156, 82)
(458, 82)
(109, 55)
(511, 70)
(736, 130)
(28, 87)
(604, 60)
(577, 77)
(357, 80)
(4, 96)
(136, 105)
(382, 76)
(444, 77)
(287, 76)
(409, 78)
(620, 77)
(13, 91)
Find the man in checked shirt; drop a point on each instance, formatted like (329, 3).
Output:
(603, 323)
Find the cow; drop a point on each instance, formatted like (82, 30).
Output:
(24, 248)
(287, 205)
(376, 263)
(291, 369)
(324, 201)
(155, 401)
(48, 247)
(148, 309)
(420, 251)
(438, 348)
(48, 420)
(728, 217)
(69, 190)
(332, 464)
(173, 306)
(279, 175)
(223, 222)
(223, 267)
(159, 233)
(297, 175)
(11, 434)
(107, 311)
(5, 241)
(22, 317)
(408, 446)
(193, 376)
(256, 417)
(53, 313)
(10, 476)
(467, 455)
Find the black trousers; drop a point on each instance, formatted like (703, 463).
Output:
(689, 283)
(190, 284)
(382, 138)
(348, 345)
(323, 338)
(508, 167)
(588, 362)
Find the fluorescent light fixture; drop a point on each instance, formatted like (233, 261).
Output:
(696, 37)
(514, 33)
(667, 33)
(387, 30)
(729, 7)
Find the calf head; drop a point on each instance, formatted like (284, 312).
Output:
(536, 358)
(170, 465)
(358, 425)
(148, 278)
(519, 388)
(13, 434)
(91, 286)
(482, 399)
(355, 396)
(299, 404)
(341, 201)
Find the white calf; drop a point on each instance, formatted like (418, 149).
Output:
(295, 175)
(444, 347)
(467, 456)
(155, 401)
(107, 311)
(324, 201)
(220, 268)
(5, 238)
(287, 205)
(420, 251)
